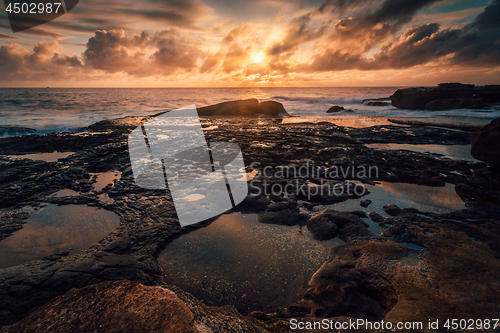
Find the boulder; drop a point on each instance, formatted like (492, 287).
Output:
(111, 307)
(246, 108)
(456, 90)
(365, 203)
(485, 143)
(346, 225)
(418, 98)
(491, 93)
(413, 98)
(335, 108)
(126, 306)
(392, 210)
(456, 103)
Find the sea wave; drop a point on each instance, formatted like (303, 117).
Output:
(323, 100)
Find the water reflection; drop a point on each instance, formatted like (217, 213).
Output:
(454, 152)
(65, 193)
(355, 121)
(238, 261)
(105, 178)
(424, 198)
(57, 228)
(47, 157)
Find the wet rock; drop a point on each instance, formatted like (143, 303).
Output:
(248, 108)
(322, 227)
(485, 143)
(11, 222)
(282, 213)
(489, 92)
(335, 108)
(149, 223)
(418, 98)
(365, 203)
(392, 210)
(125, 306)
(329, 224)
(456, 103)
(375, 217)
(347, 285)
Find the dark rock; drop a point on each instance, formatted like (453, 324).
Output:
(329, 224)
(246, 108)
(322, 227)
(456, 103)
(417, 98)
(375, 217)
(367, 273)
(414, 98)
(392, 210)
(456, 90)
(335, 108)
(485, 143)
(286, 216)
(125, 306)
(365, 203)
(490, 92)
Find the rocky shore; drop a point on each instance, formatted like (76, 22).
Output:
(453, 271)
(446, 96)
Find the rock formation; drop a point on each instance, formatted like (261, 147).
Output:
(125, 306)
(446, 96)
(335, 108)
(485, 143)
(247, 107)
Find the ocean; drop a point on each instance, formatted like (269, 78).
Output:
(71, 109)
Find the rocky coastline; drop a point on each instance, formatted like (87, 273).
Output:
(453, 272)
(446, 96)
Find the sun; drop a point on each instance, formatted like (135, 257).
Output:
(258, 58)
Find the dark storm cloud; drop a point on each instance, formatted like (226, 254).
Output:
(375, 24)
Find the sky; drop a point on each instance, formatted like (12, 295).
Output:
(253, 43)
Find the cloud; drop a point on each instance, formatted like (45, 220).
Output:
(341, 35)
(476, 45)
(298, 31)
(4, 36)
(42, 63)
(145, 54)
(219, 27)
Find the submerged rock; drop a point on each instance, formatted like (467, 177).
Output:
(247, 107)
(485, 143)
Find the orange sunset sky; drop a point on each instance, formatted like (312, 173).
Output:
(229, 43)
